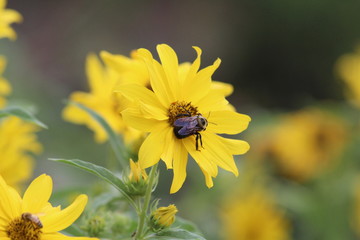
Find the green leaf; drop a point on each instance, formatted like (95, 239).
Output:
(20, 113)
(101, 172)
(176, 234)
(117, 145)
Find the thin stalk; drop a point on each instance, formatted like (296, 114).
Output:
(142, 216)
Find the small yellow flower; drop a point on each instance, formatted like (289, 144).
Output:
(253, 216)
(102, 100)
(136, 173)
(8, 16)
(348, 67)
(5, 88)
(33, 217)
(163, 217)
(17, 141)
(306, 143)
(186, 95)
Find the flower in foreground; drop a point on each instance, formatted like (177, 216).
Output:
(8, 16)
(18, 142)
(253, 216)
(163, 217)
(33, 217)
(5, 87)
(190, 97)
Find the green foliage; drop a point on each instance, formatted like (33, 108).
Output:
(21, 113)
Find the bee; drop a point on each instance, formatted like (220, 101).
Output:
(190, 125)
(33, 218)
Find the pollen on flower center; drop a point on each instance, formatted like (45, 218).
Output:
(181, 109)
(23, 229)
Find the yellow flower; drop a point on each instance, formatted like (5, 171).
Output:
(8, 16)
(188, 97)
(33, 217)
(5, 88)
(348, 67)
(17, 140)
(136, 173)
(253, 216)
(102, 100)
(306, 143)
(163, 217)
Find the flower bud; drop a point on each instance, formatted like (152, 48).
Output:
(136, 182)
(163, 217)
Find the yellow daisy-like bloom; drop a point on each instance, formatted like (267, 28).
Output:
(348, 67)
(33, 217)
(102, 100)
(8, 16)
(5, 88)
(17, 141)
(306, 143)
(177, 99)
(253, 216)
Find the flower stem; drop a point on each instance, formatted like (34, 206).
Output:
(142, 216)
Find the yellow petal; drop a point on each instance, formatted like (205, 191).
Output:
(158, 81)
(171, 144)
(170, 64)
(179, 164)
(236, 146)
(153, 146)
(201, 157)
(9, 16)
(208, 179)
(94, 72)
(10, 201)
(60, 220)
(136, 119)
(135, 92)
(219, 152)
(228, 122)
(59, 236)
(213, 101)
(193, 68)
(199, 86)
(37, 194)
(225, 88)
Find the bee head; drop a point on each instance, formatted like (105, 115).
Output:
(202, 122)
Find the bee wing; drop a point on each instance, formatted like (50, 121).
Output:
(188, 125)
(185, 121)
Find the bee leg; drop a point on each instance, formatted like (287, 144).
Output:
(197, 141)
(200, 137)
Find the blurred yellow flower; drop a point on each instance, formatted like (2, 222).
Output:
(17, 141)
(306, 142)
(348, 67)
(8, 16)
(5, 88)
(253, 216)
(163, 217)
(174, 111)
(33, 217)
(102, 100)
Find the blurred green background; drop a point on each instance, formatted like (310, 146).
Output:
(278, 54)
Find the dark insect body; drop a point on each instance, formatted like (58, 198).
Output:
(188, 125)
(32, 218)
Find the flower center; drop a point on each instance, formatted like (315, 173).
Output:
(180, 109)
(24, 228)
